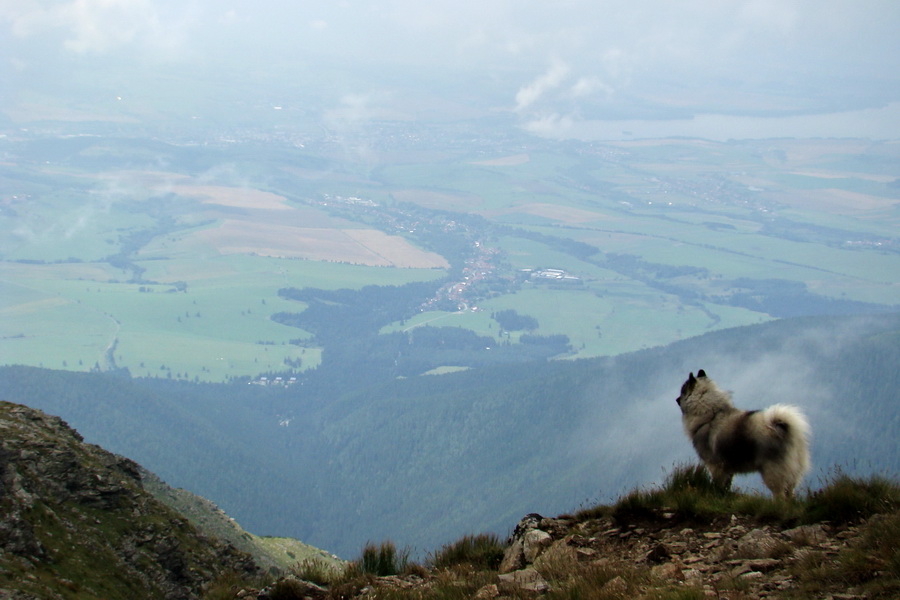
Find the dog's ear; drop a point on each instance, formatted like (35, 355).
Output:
(691, 378)
(701, 374)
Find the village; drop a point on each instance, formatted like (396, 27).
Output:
(274, 381)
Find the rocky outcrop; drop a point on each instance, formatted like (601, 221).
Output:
(75, 521)
(658, 555)
(733, 553)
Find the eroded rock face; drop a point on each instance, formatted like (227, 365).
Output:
(78, 516)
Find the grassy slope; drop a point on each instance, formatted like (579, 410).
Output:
(280, 553)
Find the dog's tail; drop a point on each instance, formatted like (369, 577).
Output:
(788, 428)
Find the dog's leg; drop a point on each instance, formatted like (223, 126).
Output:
(721, 477)
(778, 482)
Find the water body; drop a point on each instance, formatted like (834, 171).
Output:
(871, 123)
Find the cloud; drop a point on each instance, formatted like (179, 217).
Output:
(633, 431)
(590, 85)
(355, 109)
(94, 27)
(553, 125)
(636, 59)
(549, 80)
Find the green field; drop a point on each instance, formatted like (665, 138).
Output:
(176, 273)
(219, 327)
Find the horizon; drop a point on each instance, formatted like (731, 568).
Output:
(549, 71)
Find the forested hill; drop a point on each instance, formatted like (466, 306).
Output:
(426, 459)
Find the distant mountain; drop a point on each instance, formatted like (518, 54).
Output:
(422, 460)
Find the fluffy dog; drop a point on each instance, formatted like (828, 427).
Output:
(773, 441)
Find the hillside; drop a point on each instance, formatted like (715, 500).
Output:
(419, 459)
(75, 522)
(273, 554)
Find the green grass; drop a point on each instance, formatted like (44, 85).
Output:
(478, 552)
(689, 491)
(848, 499)
(382, 560)
(66, 316)
(54, 315)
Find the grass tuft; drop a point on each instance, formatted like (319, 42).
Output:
(849, 499)
(382, 560)
(690, 492)
(483, 551)
(318, 571)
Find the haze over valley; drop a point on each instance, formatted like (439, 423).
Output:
(287, 254)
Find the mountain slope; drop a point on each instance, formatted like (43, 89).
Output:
(273, 554)
(76, 522)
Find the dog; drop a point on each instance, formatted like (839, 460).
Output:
(774, 441)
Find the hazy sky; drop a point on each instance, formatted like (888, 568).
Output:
(549, 64)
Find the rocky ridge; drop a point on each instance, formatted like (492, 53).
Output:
(725, 557)
(656, 556)
(75, 521)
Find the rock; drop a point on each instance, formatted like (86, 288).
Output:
(806, 535)
(659, 554)
(757, 543)
(614, 588)
(527, 579)
(487, 592)
(513, 558)
(525, 545)
(527, 523)
(764, 564)
(693, 577)
(585, 554)
(669, 571)
(534, 542)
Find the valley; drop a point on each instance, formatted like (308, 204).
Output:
(110, 263)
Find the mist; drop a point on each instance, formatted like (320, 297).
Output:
(555, 70)
(632, 430)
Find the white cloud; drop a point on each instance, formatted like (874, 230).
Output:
(90, 27)
(653, 53)
(550, 125)
(549, 80)
(589, 85)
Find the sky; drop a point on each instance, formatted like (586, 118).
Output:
(550, 66)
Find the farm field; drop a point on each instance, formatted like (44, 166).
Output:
(216, 329)
(176, 273)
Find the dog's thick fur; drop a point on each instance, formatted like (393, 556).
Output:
(773, 441)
